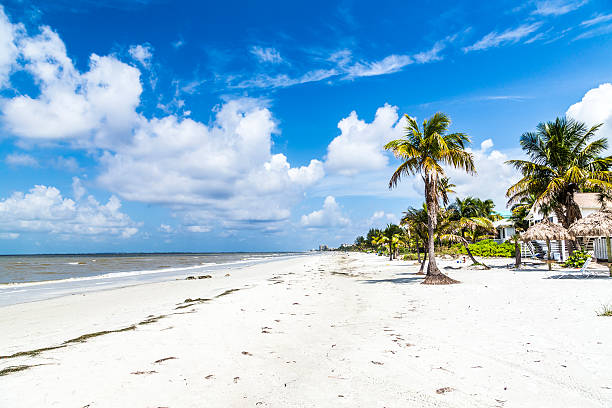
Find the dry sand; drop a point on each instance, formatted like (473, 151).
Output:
(327, 330)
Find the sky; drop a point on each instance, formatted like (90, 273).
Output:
(158, 126)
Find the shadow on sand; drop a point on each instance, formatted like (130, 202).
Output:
(411, 279)
(563, 276)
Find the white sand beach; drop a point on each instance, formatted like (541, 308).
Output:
(324, 330)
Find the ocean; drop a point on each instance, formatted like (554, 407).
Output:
(26, 278)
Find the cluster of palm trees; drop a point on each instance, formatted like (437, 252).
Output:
(464, 221)
(564, 158)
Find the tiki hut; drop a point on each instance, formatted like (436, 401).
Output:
(547, 231)
(597, 224)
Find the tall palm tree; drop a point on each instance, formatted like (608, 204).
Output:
(423, 151)
(563, 160)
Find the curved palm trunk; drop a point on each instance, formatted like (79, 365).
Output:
(467, 248)
(418, 250)
(434, 276)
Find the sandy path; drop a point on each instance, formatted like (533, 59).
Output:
(324, 330)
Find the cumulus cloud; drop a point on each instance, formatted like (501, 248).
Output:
(382, 217)
(494, 176)
(327, 217)
(21, 160)
(510, 36)
(44, 209)
(359, 148)
(595, 108)
(90, 108)
(266, 54)
(142, 53)
(8, 49)
(224, 170)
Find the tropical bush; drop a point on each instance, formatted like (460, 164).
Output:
(577, 259)
(489, 248)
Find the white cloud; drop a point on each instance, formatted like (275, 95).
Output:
(43, 209)
(390, 64)
(223, 172)
(431, 55)
(77, 188)
(557, 7)
(283, 80)
(327, 217)
(198, 228)
(21, 159)
(600, 18)
(595, 32)
(66, 163)
(359, 148)
(381, 216)
(94, 107)
(344, 67)
(494, 176)
(166, 228)
(510, 36)
(142, 53)
(269, 55)
(595, 108)
(8, 49)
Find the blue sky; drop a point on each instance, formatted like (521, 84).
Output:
(150, 125)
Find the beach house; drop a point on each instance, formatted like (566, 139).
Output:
(588, 204)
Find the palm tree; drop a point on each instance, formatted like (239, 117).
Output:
(468, 216)
(424, 151)
(445, 187)
(563, 161)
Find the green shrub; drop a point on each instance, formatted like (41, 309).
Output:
(489, 248)
(577, 259)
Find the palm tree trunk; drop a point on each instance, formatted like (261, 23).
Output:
(390, 252)
(467, 248)
(418, 250)
(548, 247)
(609, 251)
(517, 253)
(420, 272)
(434, 276)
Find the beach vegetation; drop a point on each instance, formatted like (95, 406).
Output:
(423, 151)
(488, 248)
(576, 259)
(606, 310)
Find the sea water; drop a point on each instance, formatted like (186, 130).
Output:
(25, 278)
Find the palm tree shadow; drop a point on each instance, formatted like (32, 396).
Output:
(411, 279)
(567, 276)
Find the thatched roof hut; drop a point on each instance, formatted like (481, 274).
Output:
(545, 230)
(597, 224)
